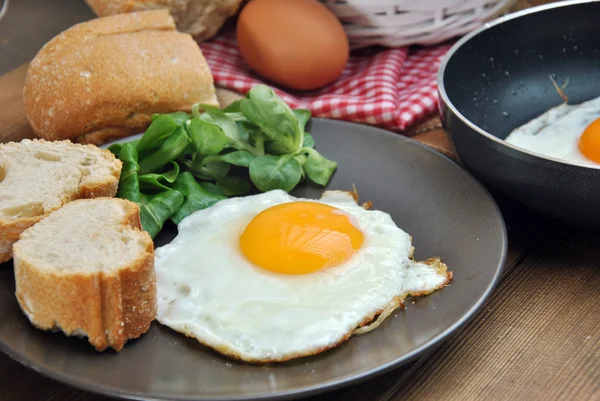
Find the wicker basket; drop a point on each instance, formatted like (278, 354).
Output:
(406, 22)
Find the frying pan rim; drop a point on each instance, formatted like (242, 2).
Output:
(446, 59)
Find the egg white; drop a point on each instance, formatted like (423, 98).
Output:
(208, 290)
(556, 133)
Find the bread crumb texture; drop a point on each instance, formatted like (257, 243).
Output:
(88, 270)
(38, 177)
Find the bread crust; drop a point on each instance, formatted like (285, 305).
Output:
(200, 18)
(105, 78)
(10, 230)
(110, 7)
(109, 308)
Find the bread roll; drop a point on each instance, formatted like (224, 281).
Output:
(38, 177)
(103, 79)
(200, 18)
(88, 270)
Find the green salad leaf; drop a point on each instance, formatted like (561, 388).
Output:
(159, 181)
(275, 172)
(115, 148)
(180, 117)
(170, 150)
(197, 197)
(156, 209)
(234, 107)
(186, 162)
(129, 186)
(233, 186)
(160, 128)
(210, 168)
(274, 117)
(317, 168)
(309, 142)
(207, 138)
(303, 116)
(241, 158)
(227, 126)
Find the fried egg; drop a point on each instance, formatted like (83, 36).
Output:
(570, 133)
(271, 277)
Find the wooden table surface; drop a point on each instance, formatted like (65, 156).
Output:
(538, 337)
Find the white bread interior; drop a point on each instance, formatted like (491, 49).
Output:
(37, 177)
(200, 18)
(88, 269)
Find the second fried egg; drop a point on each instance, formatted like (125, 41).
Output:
(270, 277)
(566, 132)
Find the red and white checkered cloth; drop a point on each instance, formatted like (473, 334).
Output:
(392, 88)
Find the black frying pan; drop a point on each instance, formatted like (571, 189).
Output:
(497, 78)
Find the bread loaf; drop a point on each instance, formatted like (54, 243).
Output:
(103, 79)
(38, 177)
(88, 270)
(200, 18)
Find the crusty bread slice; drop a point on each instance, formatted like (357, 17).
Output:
(88, 269)
(37, 177)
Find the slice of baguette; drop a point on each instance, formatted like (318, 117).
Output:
(37, 177)
(88, 269)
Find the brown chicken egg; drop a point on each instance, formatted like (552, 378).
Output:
(298, 44)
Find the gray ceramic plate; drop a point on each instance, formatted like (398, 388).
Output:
(448, 214)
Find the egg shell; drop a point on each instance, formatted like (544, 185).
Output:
(298, 44)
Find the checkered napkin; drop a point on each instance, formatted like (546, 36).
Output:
(392, 88)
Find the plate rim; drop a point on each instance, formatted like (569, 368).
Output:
(318, 386)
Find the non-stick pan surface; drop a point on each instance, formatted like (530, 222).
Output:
(498, 78)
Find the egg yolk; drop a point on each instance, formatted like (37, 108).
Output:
(589, 142)
(300, 238)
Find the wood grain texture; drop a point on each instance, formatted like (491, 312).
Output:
(538, 338)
